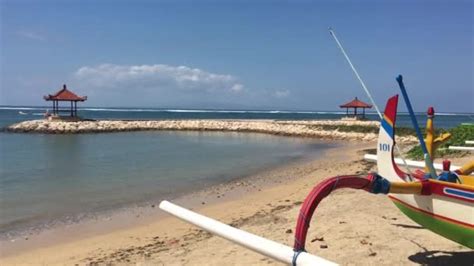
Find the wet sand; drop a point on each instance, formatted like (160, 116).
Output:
(349, 227)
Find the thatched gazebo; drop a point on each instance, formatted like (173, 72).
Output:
(65, 95)
(356, 103)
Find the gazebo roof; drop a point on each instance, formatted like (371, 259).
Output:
(356, 103)
(64, 95)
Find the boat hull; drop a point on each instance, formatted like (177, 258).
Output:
(444, 208)
(451, 229)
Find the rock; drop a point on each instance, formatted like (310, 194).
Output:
(317, 239)
(289, 231)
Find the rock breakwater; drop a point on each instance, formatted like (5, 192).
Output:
(316, 129)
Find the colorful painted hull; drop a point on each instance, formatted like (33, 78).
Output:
(447, 211)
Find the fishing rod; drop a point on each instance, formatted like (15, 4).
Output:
(427, 157)
(333, 34)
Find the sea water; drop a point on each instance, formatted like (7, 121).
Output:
(9, 115)
(49, 179)
(45, 179)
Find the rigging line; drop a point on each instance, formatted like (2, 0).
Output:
(333, 34)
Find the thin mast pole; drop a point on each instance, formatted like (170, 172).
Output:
(333, 34)
(355, 72)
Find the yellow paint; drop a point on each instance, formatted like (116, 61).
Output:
(405, 188)
(433, 143)
(415, 187)
(467, 180)
(454, 185)
(467, 169)
(390, 122)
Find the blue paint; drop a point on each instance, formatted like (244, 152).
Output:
(428, 161)
(460, 193)
(388, 128)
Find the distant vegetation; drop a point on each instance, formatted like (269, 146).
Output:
(399, 131)
(459, 135)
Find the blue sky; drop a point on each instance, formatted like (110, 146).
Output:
(237, 54)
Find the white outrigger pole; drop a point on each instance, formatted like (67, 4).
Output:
(333, 34)
(256, 243)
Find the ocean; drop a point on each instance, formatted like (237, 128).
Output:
(10, 114)
(51, 179)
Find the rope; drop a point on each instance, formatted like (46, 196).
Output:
(295, 256)
(369, 95)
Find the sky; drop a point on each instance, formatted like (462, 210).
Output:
(237, 54)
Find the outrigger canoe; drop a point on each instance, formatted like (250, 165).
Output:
(446, 208)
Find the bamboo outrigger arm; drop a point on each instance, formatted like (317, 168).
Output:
(253, 242)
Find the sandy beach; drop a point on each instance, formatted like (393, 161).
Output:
(350, 227)
(306, 131)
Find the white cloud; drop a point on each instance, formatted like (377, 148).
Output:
(237, 87)
(31, 35)
(281, 93)
(156, 77)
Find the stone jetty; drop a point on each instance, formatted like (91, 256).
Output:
(324, 129)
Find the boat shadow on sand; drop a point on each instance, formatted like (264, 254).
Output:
(439, 257)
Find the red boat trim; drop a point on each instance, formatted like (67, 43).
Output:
(437, 187)
(470, 226)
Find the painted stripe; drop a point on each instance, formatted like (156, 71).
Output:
(388, 128)
(453, 185)
(446, 219)
(388, 120)
(458, 233)
(459, 193)
(439, 188)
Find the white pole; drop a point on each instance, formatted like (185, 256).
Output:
(355, 72)
(461, 148)
(469, 141)
(256, 243)
(417, 164)
(333, 34)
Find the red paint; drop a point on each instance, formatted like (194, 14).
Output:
(430, 111)
(391, 109)
(64, 95)
(356, 103)
(438, 189)
(318, 193)
(446, 165)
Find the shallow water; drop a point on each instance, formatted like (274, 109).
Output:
(46, 179)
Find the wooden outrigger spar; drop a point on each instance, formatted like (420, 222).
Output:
(253, 242)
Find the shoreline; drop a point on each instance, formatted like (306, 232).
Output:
(321, 129)
(350, 226)
(144, 212)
